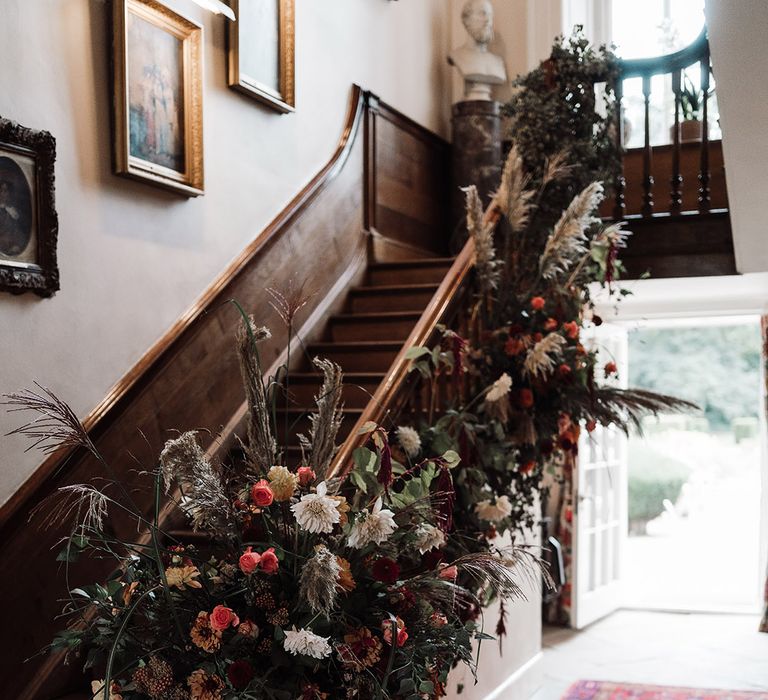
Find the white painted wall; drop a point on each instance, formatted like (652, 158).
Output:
(740, 62)
(133, 258)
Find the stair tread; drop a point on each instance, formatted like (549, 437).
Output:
(416, 262)
(309, 409)
(314, 376)
(354, 344)
(393, 288)
(365, 315)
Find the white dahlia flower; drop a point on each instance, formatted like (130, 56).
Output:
(429, 537)
(306, 643)
(317, 512)
(375, 526)
(493, 512)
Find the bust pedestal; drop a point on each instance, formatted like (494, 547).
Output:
(476, 158)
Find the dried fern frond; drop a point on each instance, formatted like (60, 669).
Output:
(625, 408)
(204, 496)
(487, 266)
(326, 421)
(541, 358)
(56, 424)
(567, 242)
(319, 576)
(261, 447)
(513, 196)
(86, 503)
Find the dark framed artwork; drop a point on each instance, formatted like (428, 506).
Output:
(261, 51)
(158, 100)
(28, 222)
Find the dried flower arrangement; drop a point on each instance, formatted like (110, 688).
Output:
(299, 584)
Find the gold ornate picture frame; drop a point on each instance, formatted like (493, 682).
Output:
(261, 51)
(158, 96)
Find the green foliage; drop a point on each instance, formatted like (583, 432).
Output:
(555, 110)
(653, 476)
(716, 367)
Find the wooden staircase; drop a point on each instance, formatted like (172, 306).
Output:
(364, 339)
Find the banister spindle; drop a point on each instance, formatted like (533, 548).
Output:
(647, 208)
(704, 193)
(619, 207)
(677, 179)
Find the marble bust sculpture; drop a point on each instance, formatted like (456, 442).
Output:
(479, 68)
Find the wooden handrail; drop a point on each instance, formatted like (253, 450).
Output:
(666, 63)
(385, 396)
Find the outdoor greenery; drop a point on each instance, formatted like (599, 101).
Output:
(716, 367)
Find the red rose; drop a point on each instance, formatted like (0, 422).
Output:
(564, 370)
(269, 561)
(591, 425)
(306, 476)
(550, 324)
(261, 493)
(402, 635)
(537, 337)
(249, 561)
(538, 303)
(385, 570)
(222, 617)
(240, 674)
(610, 368)
(571, 329)
(525, 398)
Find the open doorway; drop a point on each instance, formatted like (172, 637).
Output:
(694, 479)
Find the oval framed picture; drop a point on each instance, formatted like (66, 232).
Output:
(28, 220)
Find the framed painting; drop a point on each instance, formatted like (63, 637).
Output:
(261, 51)
(28, 221)
(158, 101)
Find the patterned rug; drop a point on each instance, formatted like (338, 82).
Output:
(606, 690)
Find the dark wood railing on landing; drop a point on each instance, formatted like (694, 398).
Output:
(679, 231)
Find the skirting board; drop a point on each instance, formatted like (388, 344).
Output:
(523, 683)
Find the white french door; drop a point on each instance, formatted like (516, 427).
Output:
(600, 498)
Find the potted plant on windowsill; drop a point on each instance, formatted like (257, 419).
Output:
(691, 106)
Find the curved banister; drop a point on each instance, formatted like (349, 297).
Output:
(386, 395)
(666, 63)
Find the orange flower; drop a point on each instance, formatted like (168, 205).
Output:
(571, 329)
(363, 650)
(538, 303)
(550, 324)
(343, 509)
(203, 635)
(204, 686)
(345, 581)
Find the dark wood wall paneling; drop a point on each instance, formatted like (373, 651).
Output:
(409, 182)
(388, 172)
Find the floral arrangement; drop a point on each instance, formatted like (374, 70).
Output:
(292, 582)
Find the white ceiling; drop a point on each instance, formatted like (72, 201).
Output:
(738, 34)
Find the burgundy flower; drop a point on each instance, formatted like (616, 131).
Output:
(385, 570)
(240, 674)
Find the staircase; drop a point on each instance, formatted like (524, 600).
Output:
(378, 316)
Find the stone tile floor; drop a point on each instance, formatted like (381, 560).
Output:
(696, 650)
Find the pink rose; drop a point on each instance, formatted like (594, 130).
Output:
(222, 617)
(269, 561)
(571, 329)
(306, 475)
(261, 493)
(249, 561)
(449, 573)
